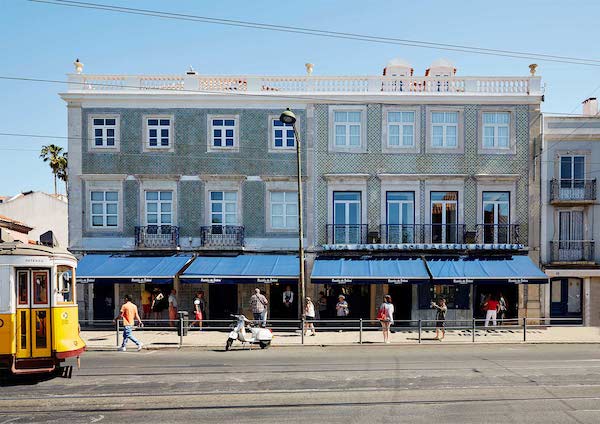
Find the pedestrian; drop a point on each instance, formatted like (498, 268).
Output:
(288, 301)
(503, 308)
(440, 318)
(173, 308)
(129, 313)
(385, 315)
(322, 306)
(309, 316)
(198, 309)
(258, 303)
(342, 310)
(146, 304)
(491, 311)
(157, 304)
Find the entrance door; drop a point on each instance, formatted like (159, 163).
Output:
(510, 292)
(346, 217)
(358, 297)
(402, 301)
(104, 301)
(278, 309)
(222, 301)
(33, 313)
(496, 206)
(565, 295)
(444, 219)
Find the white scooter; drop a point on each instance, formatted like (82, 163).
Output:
(260, 336)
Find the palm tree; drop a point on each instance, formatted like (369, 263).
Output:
(63, 172)
(52, 155)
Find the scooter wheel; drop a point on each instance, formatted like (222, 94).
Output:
(228, 344)
(264, 345)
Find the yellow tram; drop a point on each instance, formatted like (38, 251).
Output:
(39, 327)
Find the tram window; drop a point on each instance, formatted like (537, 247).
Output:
(40, 288)
(22, 287)
(64, 286)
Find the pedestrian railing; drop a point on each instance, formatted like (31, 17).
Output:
(415, 331)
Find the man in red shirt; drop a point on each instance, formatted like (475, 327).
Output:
(129, 313)
(491, 310)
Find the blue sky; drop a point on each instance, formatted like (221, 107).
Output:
(41, 41)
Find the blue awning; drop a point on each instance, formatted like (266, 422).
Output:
(130, 269)
(364, 271)
(243, 269)
(517, 270)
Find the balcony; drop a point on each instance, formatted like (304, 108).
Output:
(347, 233)
(157, 237)
(572, 191)
(568, 251)
(497, 233)
(222, 236)
(423, 233)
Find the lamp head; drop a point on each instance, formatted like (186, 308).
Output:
(287, 117)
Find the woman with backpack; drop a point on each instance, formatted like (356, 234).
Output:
(385, 315)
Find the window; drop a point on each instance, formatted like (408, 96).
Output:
(496, 218)
(159, 207)
(64, 285)
(104, 209)
(457, 296)
(572, 171)
(159, 132)
(400, 211)
(282, 135)
(444, 129)
(104, 131)
(401, 129)
(496, 130)
(347, 217)
(444, 219)
(223, 207)
(347, 128)
(284, 210)
(223, 132)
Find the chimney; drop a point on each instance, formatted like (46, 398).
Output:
(590, 107)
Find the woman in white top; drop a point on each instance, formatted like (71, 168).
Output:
(309, 316)
(385, 315)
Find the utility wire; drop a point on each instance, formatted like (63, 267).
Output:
(325, 33)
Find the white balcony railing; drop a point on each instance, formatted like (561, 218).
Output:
(311, 84)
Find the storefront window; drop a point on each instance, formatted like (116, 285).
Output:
(457, 296)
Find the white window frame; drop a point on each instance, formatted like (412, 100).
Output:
(159, 202)
(104, 203)
(511, 149)
(150, 184)
(495, 138)
(236, 133)
(92, 132)
(103, 185)
(272, 128)
(459, 148)
(290, 198)
(224, 202)
(170, 127)
(386, 147)
(362, 147)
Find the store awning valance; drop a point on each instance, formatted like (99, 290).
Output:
(255, 269)
(516, 270)
(130, 269)
(365, 271)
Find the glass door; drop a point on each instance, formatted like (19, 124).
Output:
(400, 217)
(570, 230)
(496, 206)
(33, 313)
(572, 177)
(444, 218)
(346, 217)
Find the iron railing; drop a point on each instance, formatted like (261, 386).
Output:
(497, 233)
(401, 233)
(222, 236)
(572, 251)
(157, 236)
(347, 233)
(423, 233)
(569, 190)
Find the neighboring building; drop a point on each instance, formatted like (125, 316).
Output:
(414, 176)
(16, 229)
(570, 212)
(42, 211)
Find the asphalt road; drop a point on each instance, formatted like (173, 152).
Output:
(371, 384)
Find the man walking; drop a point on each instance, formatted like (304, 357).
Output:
(129, 313)
(259, 303)
(173, 308)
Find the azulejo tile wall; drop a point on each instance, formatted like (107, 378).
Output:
(374, 162)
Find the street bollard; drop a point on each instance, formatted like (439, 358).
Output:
(473, 330)
(117, 331)
(419, 331)
(302, 331)
(360, 331)
(524, 329)
(181, 325)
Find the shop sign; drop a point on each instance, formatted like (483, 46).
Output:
(267, 280)
(397, 280)
(462, 281)
(210, 280)
(518, 280)
(141, 280)
(341, 280)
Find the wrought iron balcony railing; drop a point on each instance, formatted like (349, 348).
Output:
(423, 233)
(572, 190)
(222, 236)
(497, 233)
(347, 233)
(572, 251)
(401, 233)
(157, 236)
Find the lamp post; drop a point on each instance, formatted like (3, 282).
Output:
(288, 117)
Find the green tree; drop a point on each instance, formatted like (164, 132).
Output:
(53, 155)
(63, 172)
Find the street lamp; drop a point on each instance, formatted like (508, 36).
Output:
(288, 117)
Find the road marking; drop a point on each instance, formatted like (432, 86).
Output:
(95, 420)
(12, 420)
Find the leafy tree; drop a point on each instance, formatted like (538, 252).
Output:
(53, 155)
(63, 173)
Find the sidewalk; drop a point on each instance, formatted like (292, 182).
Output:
(152, 339)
